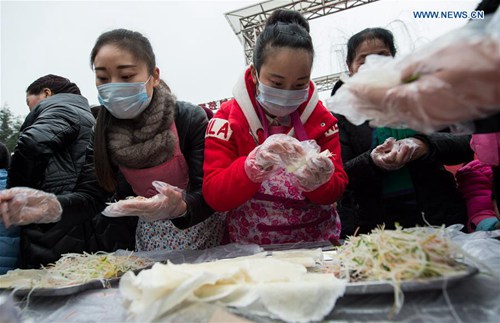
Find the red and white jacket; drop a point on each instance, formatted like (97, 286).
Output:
(236, 130)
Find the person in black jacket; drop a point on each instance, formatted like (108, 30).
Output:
(49, 155)
(396, 175)
(142, 134)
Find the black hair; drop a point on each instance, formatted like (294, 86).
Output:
(284, 28)
(369, 34)
(131, 41)
(488, 6)
(4, 156)
(57, 84)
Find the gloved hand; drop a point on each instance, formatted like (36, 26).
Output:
(168, 204)
(441, 87)
(23, 205)
(392, 155)
(276, 152)
(317, 171)
(417, 147)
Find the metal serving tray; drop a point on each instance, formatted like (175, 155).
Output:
(380, 287)
(66, 290)
(63, 291)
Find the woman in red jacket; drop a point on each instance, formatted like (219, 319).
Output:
(243, 169)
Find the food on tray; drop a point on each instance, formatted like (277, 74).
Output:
(397, 255)
(73, 269)
(306, 257)
(265, 286)
(293, 285)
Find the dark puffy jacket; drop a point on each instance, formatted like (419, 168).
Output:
(110, 234)
(436, 195)
(48, 156)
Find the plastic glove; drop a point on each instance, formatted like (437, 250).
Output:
(168, 204)
(23, 205)
(452, 85)
(417, 147)
(392, 155)
(274, 153)
(317, 171)
(448, 81)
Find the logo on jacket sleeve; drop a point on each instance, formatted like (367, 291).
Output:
(333, 130)
(218, 128)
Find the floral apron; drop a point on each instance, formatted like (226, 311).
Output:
(163, 234)
(279, 212)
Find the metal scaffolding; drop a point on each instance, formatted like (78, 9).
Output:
(325, 83)
(247, 23)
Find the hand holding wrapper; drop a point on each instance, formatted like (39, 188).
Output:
(450, 81)
(392, 154)
(267, 158)
(314, 169)
(168, 204)
(309, 167)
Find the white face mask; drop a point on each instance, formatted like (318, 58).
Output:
(278, 102)
(124, 100)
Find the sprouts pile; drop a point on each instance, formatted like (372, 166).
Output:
(74, 269)
(397, 255)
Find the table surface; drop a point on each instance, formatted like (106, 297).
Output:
(475, 299)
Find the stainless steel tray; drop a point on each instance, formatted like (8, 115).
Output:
(63, 290)
(380, 287)
(323, 245)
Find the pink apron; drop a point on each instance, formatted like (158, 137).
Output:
(279, 212)
(163, 234)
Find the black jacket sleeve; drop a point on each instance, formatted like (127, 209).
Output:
(86, 203)
(488, 125)
(87, 198)
(42, 136)
(191, 122)
(446, 148)
(356, 142)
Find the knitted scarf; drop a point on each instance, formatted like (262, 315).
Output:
(147, 140)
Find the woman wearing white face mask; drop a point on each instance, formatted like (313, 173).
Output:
(244, 164)
(142, 134)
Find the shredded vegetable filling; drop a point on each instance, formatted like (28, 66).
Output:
(76, 268)
(397, 255)
(73, 269)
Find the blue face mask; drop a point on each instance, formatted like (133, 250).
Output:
(124, 100)
(278, 102)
